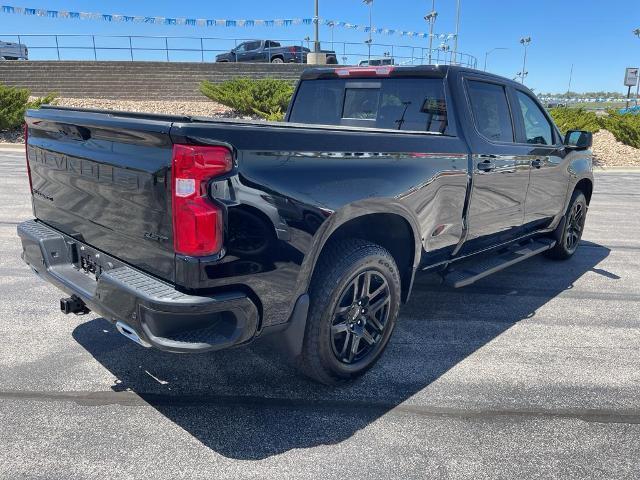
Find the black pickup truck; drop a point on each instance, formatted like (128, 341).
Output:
(270, 51)
(195, 234)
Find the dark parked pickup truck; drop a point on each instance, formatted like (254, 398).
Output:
(270, 51)
(196, 234)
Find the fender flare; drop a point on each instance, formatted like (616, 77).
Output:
(295, 328)
(346, 214)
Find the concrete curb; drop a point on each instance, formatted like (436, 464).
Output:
(630, 169)
(12, 146)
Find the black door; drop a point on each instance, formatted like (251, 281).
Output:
(541, 142)
(500, 173)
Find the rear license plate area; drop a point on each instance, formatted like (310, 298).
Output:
(87, 260)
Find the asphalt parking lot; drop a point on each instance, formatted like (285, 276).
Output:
(532, 373)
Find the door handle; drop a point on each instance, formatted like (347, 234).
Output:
(486, 166)
(537, 163)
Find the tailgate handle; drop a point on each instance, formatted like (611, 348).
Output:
(76, 132)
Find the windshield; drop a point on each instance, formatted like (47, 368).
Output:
(416, 104)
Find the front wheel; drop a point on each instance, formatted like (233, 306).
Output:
(277, 60)
(355, 299)
(569, 232)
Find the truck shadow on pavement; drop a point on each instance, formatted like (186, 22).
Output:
(249, 404)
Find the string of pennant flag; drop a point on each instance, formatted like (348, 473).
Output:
(207, 22)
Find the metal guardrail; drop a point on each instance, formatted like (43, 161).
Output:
(204, 49)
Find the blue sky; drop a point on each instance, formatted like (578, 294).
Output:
(593, 35)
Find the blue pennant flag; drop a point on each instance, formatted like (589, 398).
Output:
(208, 22)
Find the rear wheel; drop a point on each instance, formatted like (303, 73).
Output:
(277, 60)
(355, 299)
(569, 232)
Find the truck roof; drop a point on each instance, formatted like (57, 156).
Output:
(394, 71)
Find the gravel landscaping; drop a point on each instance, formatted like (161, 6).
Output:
(204, 108)
(608, 152)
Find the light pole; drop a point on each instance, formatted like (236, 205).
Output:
(431, 18)
(444, 47)
(370, 40)
(525, 41)
(636, 32)
(455, 42)
(316, 21)
(486, 55)
(332, 25)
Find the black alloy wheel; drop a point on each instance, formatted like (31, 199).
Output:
(569, 231)
(575, 226)
(354, 304)
(360, 318)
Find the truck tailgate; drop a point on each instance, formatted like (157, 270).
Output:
(102, 179)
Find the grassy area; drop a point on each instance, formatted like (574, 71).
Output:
(597, 105)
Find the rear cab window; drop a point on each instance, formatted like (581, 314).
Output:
(411, 104)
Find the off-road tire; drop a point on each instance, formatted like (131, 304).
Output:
(340, 264)
(569, 231)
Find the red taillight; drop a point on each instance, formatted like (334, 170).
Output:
(26, 154)
(364, 71)
(197, 221)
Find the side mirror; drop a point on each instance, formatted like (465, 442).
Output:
(578, 139)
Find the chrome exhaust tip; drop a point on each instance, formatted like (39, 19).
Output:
(131, 334)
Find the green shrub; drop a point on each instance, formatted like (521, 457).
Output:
(575, 119)
(267, 97)
(625, 127)
(14, 102)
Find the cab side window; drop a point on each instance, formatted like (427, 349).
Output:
(490, 110)
(537, 128)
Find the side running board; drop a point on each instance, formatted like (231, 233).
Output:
(473, 271)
